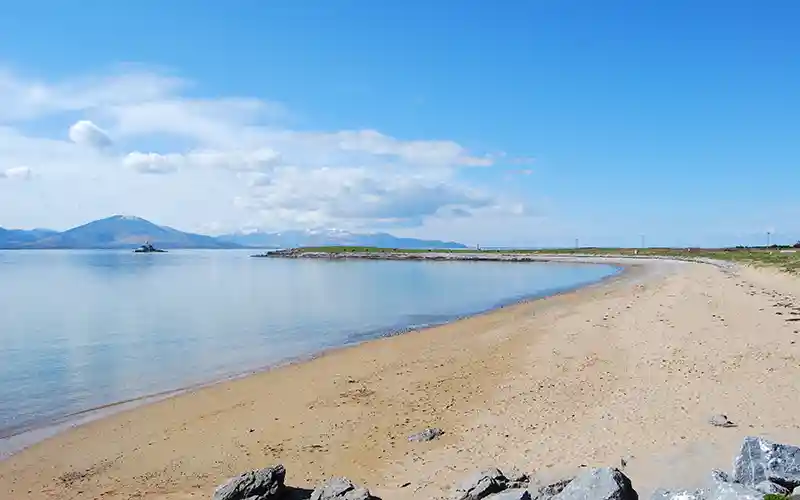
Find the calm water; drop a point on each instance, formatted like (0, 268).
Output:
(87, 328)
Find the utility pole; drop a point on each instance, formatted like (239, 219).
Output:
(769, 238)
(642, 236)
(577, 243)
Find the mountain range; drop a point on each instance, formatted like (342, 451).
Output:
(123, 232)
(330, 237)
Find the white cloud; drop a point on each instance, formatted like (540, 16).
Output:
(24, 98)
(260, 160)
(214, 123)
(419, 152)
(17, 173)
(237, 166)
(153, 163)
(356, 197)
(86, 133)
(349, 147)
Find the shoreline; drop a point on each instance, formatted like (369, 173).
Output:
(16, 440)
(630, 368)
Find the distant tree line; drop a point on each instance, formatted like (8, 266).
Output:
(773, 247)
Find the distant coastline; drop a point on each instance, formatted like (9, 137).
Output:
(130, 232)
(345, 253)
(421, 255)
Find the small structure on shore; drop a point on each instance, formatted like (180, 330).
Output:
(148, 248)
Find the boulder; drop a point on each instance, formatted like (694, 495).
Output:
(762, 460)
(662, 494)
(340, 488)
(481, 485)
(599, 484)
(548, 491)
(733, 491)
(262, 484)
(428, 434)
(770, 487)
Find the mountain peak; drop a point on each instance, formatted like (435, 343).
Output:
(127, 217)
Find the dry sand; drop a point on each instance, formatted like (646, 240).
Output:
(630, 368)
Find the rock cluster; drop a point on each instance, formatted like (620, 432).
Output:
(491, 481)
(340, 488)
(596, 484)
(262, 484)
(762, 468)
(268, 484)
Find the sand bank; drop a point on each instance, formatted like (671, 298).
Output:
(630, 368)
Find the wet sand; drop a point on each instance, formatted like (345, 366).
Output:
(631, 368)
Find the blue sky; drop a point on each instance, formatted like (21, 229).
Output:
(511, 123)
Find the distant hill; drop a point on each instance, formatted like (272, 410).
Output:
(293, 239)
(119, 231)
(15, 238)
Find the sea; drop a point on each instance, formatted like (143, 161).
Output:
(85, 332)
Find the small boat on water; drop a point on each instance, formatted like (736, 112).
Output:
(148, 248)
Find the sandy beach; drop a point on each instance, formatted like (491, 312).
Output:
(631, 368)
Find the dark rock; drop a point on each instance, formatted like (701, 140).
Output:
(770, 487)
(340, 488)
(599, 484)
(662, 494)
(427, 435)
(481, 485)
(720, 421)
(515, 478)
(262, 484)
(549, 491)
(761, 460)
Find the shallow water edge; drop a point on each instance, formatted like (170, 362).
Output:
(22, 438)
